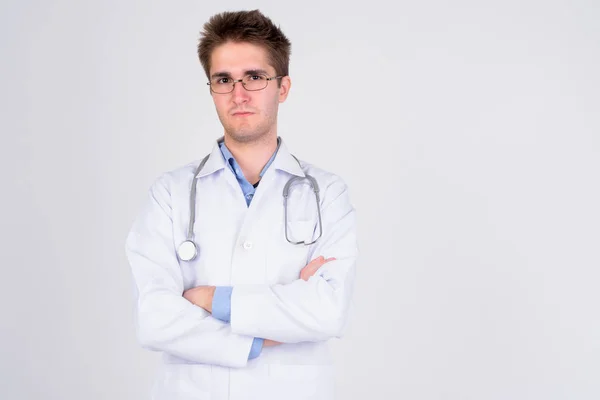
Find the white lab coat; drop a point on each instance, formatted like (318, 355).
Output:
(243, 247)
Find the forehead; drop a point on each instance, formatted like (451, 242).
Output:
(236, 58)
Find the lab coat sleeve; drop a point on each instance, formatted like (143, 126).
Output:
(165, 320)
(312, 310)
(221, 310)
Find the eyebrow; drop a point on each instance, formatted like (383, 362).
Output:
(224, 74)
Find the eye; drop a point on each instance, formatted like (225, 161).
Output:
(222, 81)
(255, 77)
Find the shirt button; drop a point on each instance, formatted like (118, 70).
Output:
(249, 195)
(247, 245)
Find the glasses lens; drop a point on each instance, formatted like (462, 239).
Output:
(255, 82)
(222, 85)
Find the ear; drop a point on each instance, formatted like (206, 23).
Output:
(284, 89)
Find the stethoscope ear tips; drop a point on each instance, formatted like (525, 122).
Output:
(187, 251)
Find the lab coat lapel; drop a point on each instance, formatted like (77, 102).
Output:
(283, 164)
(216, 163)
(285, 161)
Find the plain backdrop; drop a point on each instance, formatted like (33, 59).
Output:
(467, 131)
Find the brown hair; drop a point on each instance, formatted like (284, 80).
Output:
(245, 26)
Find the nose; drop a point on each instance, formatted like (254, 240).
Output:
(240, 95)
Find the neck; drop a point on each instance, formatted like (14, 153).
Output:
(252, 156)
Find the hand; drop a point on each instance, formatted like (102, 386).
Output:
(313, 266)
(270, 343)
(202, 296)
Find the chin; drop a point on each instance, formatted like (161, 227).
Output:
(246, 134)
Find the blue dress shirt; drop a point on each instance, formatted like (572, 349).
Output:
(221, 304)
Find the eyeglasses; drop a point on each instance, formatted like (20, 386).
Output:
(251, 83)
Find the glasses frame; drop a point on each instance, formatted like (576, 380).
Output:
(244, 85)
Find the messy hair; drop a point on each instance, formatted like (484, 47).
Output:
(245, 27)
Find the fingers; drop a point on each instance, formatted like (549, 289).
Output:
(320, 261)
(313, 266)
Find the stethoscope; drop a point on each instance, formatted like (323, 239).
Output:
(188, 250)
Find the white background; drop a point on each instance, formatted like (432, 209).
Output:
(468, 133)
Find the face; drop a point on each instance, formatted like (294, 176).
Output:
(247, 116)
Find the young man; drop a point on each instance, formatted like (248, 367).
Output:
(243, 306)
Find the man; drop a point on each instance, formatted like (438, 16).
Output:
(250, 315)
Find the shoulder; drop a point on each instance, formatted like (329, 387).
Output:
(176, 177)
(331, 185)
(322, 176)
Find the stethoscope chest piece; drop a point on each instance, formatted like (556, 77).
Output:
(187, 251)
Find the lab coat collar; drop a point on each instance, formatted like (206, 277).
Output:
(283, 161)
(215, 161)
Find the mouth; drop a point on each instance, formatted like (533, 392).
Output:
(242, 114)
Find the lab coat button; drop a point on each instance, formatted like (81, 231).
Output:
(247, 245)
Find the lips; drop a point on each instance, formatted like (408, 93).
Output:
(242, 113)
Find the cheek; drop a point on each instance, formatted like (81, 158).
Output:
(220, 101)
(270, 106)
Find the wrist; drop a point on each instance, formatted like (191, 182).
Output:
(208, 293)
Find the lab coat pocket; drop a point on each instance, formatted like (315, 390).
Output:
(302, 382)
(183, 382)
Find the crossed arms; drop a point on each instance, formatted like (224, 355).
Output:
(312, 308)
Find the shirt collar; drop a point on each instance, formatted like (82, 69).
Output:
(229, 159)
(283, 160)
